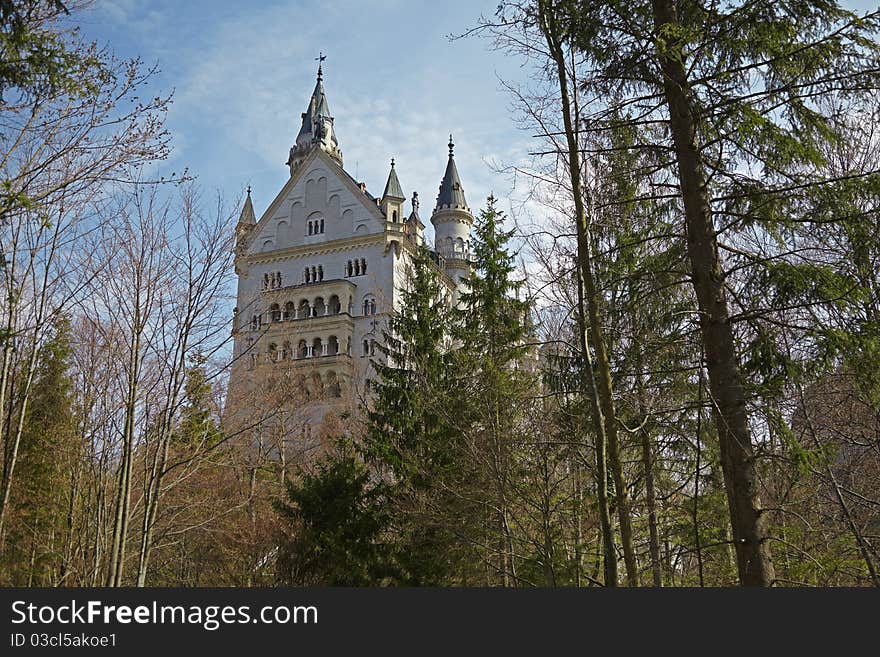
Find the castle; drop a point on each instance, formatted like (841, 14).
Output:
(320, 271)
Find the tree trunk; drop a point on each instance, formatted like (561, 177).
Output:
(749, 524)
(608, 415)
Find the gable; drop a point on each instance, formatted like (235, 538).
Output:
(319, 204)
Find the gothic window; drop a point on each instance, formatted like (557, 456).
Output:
(369, 306)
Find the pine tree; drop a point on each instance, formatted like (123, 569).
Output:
(491, 332)
(410, 437)
(46, 453)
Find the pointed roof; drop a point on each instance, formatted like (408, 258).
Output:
(247, 215)
(451, 196)
(317, 127)
(392, 187)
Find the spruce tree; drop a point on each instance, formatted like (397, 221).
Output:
(491, 360)
(410, 438)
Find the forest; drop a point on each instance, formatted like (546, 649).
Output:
(665, 377)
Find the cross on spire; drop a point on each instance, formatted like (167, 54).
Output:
(320, 59)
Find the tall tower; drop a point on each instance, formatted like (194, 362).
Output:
(452, 220)
(316, 129)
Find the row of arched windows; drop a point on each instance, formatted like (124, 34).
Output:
(356, 267)
(313, 274)
(305, 309)
(314, 348)
(316, 226)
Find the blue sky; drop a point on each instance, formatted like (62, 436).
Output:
(242, 73)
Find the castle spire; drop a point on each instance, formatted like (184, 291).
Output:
(392, 187)
(451, 195)
(247, 216)
(392, 197)
(317, 126)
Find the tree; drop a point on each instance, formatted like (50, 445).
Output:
(338, 523)
(494, 379)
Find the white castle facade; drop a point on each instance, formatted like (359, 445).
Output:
(320, 271)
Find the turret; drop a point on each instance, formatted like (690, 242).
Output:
(392, 198)
(316, 130)
(452, 220)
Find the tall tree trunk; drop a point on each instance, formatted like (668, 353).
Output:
(588, 381)
(648, 466)
(608, 415)
(748, 521)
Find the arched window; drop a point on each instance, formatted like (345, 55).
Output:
(317, 347)
(348, 268)
(273, 352)
(254, 324)
(366, 348)
(303, 309)
(322, 225)
(302, 350)
(320, 273)
(285, 351)
(332, 346)
(265, 281)
(275, 312)
(363, 266)
(394, 216)
(335, 306)
(289, 311)
(277, 279)
(308, 275)
(310, 228)
(319, 308)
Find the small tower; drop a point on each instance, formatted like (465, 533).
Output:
(414, 226)
(246, 221)
(452, 220)
(316, 130)
(392, 198)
